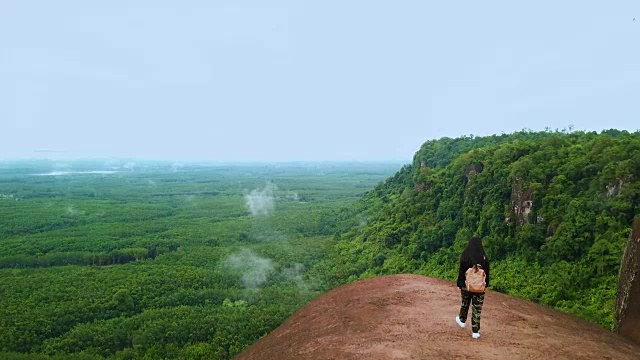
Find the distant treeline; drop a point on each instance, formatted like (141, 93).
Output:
(210, 193)
(119, 256)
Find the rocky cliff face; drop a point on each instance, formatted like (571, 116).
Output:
(521, 203)
(628, 301)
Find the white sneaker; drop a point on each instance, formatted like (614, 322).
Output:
(476, 335)
(460, 322)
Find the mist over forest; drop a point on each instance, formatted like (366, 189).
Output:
(178, 178)
(139, 259)
(156, 260)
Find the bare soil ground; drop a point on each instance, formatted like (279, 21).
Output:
(413, 317)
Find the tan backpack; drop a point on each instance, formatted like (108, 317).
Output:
(475, 279)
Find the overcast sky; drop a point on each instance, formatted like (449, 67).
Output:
(306, 80)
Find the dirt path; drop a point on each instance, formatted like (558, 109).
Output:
(413, 317)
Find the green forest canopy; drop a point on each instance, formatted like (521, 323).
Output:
(159, 262)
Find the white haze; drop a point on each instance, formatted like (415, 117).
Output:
(254, 269)
(292, 195)
(175, 167)
(262, 233)
(295, 274)
(261, 202)
(60, 173)
(73, 212)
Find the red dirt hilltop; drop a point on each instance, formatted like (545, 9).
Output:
(413, 317)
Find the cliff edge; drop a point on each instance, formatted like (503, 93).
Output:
(413, 317)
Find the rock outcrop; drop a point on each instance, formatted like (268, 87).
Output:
(471, 171)
(614, 188)
(628, 301)
(521, 203)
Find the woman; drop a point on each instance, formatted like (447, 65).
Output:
(472, 255)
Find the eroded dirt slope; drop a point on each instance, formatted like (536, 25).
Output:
(413, 317)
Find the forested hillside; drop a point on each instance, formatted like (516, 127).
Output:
(553, 208)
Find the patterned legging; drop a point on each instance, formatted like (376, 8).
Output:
(477, 299)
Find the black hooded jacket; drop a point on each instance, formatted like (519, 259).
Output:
(465, 264)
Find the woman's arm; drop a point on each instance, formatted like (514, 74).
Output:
(486, 271)
(461, 274)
